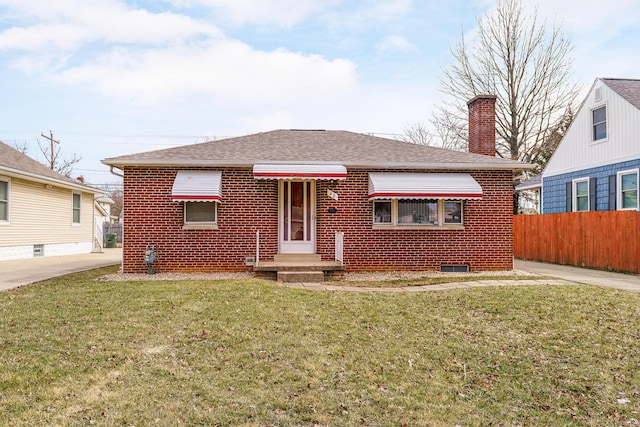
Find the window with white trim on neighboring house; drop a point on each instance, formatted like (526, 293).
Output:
(599, 123)
(4, 200)
(581, 195)
(420, 212)
(627, 190)
(76, 204)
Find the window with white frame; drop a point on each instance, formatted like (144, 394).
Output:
(408, 212)
(200, 213)
(599, 123)
(581, 195)
(77, 202)
(382, 212)
(4, 200)
(628, 190)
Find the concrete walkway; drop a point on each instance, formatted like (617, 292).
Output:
(25, 271)
(558, 275)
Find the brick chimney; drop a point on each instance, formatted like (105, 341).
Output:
(482, 125)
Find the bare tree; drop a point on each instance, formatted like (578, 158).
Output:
(22, 147)
(416, 133)
(117, 195)
(55, 161)
(527, 65)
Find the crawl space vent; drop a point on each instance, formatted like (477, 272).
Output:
(453, 268)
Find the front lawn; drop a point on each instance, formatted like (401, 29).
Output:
(75, 351)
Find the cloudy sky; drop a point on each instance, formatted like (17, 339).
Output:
(113, 77)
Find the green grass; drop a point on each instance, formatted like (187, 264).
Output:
(75, 351)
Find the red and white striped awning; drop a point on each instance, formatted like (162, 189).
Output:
(299, 171)
(197, 186)
(455, 186)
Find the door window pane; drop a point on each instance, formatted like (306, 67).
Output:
(297, 211)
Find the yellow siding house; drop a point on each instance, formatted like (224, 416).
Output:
(43, 213)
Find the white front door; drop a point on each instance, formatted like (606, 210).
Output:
(297, 213)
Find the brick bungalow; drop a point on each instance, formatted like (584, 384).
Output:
(350, 200)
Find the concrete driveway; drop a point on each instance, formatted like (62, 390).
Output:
(26, 271)
(627, 282)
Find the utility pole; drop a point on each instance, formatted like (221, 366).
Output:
(53, 142)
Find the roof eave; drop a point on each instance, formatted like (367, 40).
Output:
(120, 163)
(47, 180)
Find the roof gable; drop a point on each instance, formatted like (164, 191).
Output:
(313, 147)
(578, 150)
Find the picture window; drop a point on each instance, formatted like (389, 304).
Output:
(417, 212)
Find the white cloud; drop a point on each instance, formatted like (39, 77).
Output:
(69, 24)
(228, 70)
(146, 57)
(396, 43)
(282, 13)
(269, 121)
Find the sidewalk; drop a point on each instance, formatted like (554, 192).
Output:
(26, 271)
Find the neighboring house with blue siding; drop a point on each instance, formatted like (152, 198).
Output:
(595, 166)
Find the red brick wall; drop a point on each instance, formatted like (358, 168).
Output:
(482, 125)
(484, 244)
(151, 217)
(249, 205)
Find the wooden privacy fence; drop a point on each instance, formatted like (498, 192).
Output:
(601, 239)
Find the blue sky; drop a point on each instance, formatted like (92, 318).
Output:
(113, 77)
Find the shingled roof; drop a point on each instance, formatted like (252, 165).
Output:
(14, 163)
(314, 147)
(629, 89)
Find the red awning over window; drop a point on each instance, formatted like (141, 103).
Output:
(300, 171)
(197, 186)
(455, 186)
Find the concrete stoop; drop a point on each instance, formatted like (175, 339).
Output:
(301, 276)
(298, 268)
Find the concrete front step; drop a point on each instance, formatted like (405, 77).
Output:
(300, 276)
(295, 258)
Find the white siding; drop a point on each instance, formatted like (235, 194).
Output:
(41, 214)
(578, 151)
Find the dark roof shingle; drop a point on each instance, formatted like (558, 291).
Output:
(313, 146)
(629, 89)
